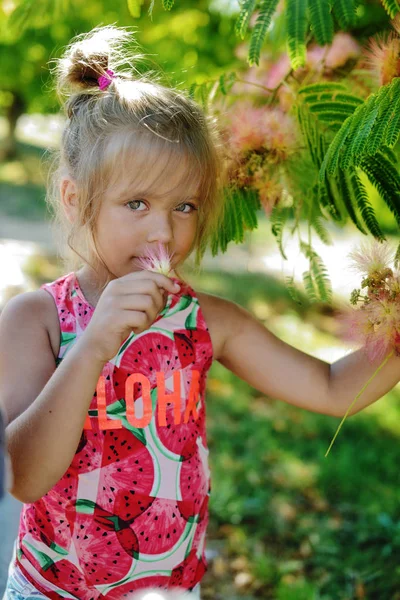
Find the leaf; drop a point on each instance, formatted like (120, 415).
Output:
(226, 81)
(333, 154)
(292, 290)
(309, 286)
(321, 21)
(278, 217)
(393, 128)
(134, 7)
(347, 198)
(367, 212)
(296, 24)
(167, 4)
(267, 9)
(242, 23)
(320, 230)
(328, 86)
(384, 177)
(318, 272)
(353, 139)
(392, 7)
(358, 141)
(240, 212)
(345, 13)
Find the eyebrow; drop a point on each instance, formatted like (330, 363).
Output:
(147, 194)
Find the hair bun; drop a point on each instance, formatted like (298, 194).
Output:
(88, 56)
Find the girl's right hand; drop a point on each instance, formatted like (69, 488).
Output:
(129, 303)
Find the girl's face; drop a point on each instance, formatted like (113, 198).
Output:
(160, 207)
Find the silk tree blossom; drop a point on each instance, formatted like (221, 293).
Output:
(343, 48)
(251, 128)
(375, 319)
(383, 54)
(158, 261)
(258, 140)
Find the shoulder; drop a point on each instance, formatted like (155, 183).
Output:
(223, 317)
(27, 304)
(36, 307)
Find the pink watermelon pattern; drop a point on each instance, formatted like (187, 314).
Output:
(131, 511)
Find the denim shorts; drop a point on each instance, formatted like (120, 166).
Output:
(18, 588)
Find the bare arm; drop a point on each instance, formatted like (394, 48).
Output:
(46, 407)
(281, 371)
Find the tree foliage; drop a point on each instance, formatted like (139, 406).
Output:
(349, 128)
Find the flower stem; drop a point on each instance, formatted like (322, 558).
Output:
(356, 398)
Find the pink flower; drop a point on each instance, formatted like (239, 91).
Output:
(254, 128)
(158, 261)
(246, 130)
(370, 257)
(376, 323)
(383, 54)
(343, 48)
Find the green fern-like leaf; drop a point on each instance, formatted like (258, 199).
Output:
(390, 155)
(246, 10)
(333, 154)
(321, 231)
(333, 96)
(296, 24)
(250, 205)
(240, 210)
(370, 130)
(318, 271)
(384, 176)
(308, 129)
(350, 142)
(167, 4)
(309, 286)
(192, 90)
(292, 290)
(267, 9)
(392, 7)
(321, 21)
(345, 13)
(347, 199)
(278, 217)
(358, 141)
(203, 92)
(318, 88)
(393, 128)
(326, 199)
(367, 212)
(382, 121)
(226, 81)
(343, 109)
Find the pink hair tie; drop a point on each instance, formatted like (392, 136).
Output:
(104, 81)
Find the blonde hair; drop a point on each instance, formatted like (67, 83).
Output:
(135, 112)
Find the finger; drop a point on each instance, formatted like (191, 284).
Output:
(161, 280)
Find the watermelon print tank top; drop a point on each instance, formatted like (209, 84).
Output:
(131, 511)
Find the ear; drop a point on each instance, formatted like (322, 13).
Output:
(69, 198)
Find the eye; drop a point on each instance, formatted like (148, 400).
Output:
(189, 204)
(184, 204)
(133, 202)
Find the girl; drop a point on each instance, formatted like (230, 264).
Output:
(106, 429)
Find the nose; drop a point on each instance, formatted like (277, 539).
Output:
(161, 230)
